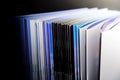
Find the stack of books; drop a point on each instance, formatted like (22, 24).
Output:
(76, 44)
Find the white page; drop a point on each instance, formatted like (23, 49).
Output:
(82, 43)
(34, 50)
(82, 49)
(110, 54)
(92, 51)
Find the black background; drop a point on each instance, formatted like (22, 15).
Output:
(10, 36)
